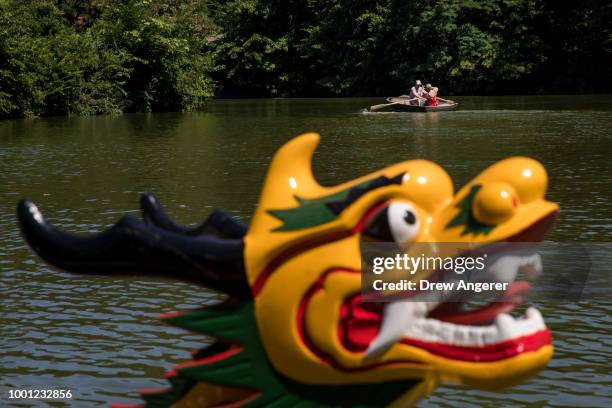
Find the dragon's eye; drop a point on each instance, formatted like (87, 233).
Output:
(403, 222)
(396, 223)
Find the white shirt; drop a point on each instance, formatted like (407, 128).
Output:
(414, 93)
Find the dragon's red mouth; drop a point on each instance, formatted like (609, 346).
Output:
(361, 324)
(447, 329)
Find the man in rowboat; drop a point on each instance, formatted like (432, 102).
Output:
(416, 93)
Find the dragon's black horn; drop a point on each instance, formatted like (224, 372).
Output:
(218, 223)
(132, 247)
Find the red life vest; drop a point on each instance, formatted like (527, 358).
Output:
(432, 102)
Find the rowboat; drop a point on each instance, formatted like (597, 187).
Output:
(401, 104)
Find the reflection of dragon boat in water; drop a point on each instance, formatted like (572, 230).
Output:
(294, 330)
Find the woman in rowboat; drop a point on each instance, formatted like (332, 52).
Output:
(431, 96)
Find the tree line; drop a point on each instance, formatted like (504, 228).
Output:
(84, 57)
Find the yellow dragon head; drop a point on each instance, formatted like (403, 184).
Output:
(295, 328)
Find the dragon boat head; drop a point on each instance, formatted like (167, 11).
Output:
(295, 327)
(304, 265)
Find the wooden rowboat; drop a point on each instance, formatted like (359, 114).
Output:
(401, 104)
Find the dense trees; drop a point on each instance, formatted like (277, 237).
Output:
(104, 56)
(90, 57)
(359, 47)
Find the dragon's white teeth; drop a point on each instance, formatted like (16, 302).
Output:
(489, 336)
(503, 269)
(505, 326)
(506, 267)
(460, 336)
(532, 265)
(534, 314)
(475, 337)
(533, 259)
(447, 333)
(419, 307)
(397, 316)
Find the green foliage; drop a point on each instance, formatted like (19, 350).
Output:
(92, 57)
(254, 52)
(356, 47)
(166, 45)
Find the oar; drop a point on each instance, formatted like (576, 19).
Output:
(446, 100)
(375, 108)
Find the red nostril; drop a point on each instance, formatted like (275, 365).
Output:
(360, 323)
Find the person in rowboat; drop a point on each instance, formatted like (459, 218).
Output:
(417, 93)
(431, 96)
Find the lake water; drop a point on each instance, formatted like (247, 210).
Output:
(98, 336)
